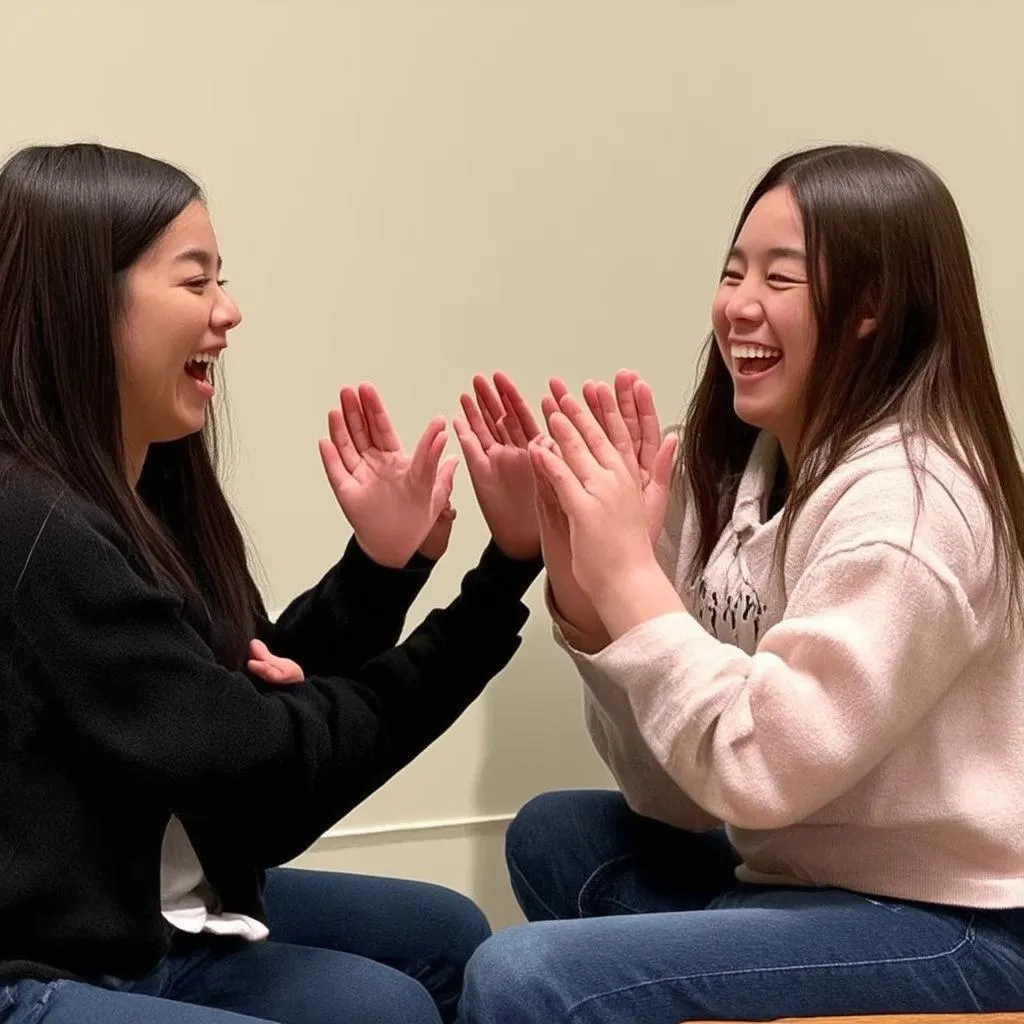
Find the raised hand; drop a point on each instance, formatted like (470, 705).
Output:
(436, 542)
(494, 432)
(272, 669)
(597, 490)
(635, 431)
(392, 500)
(570, 602)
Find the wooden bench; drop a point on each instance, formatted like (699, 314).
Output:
(905, 1018)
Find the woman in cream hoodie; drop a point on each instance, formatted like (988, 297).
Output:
(801, 643)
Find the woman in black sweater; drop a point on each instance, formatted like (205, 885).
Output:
(153, 765)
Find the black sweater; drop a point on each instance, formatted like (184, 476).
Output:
(115, 714)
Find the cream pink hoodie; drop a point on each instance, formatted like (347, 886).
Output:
(857, 719)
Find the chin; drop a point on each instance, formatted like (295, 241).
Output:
(752, 413)
(185, 427)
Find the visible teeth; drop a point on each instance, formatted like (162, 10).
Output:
(753, 352)
(205, 357)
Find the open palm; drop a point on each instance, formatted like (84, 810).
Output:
(495, 432)
(391, 499)
(628, 416)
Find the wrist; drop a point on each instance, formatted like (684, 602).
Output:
(386, 559)
(579, 625)
(571, 607)
(430, 553)
(518, 550)
(637, 594)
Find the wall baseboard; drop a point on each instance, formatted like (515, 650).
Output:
(438, 828)
(465, 854)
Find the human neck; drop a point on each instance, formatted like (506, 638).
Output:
(134, 455)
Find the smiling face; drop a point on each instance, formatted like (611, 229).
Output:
(763, 319)
(173, 328)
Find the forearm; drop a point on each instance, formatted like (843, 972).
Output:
(356, 612)
(631, 598)
(397, 705)
(646, 786)
(573, 610)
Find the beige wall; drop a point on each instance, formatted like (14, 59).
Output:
(409, 191)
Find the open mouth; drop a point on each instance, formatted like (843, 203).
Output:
(201, 367)
(750, 360)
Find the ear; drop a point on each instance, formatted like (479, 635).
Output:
(868, 322)
(867, 326)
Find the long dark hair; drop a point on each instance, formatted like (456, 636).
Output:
(73, 220)
(881, 230)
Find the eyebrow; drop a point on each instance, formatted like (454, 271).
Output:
(200, 256)
(778, 252)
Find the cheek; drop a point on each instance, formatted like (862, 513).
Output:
(719, 320)
(794, 329)
(804, 337)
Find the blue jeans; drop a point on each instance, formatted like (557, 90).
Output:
(343, 949)
(635, 920)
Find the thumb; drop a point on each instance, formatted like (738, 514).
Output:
(664, 462)
(556, 474)
(429, 448)
(443, 484)
(547, 500)
(258, 650)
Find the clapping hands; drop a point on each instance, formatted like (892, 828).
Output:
(589, 492)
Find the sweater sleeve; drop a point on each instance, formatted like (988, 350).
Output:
(646, 786)
(141, 699)
(354, 613)
(873, 634)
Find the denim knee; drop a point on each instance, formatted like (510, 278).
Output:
(466, 925)
(512, 978)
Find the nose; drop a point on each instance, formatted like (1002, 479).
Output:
(226, 313)
(744, 305)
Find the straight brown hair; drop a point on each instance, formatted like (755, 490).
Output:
(73, 220)
(880, 229)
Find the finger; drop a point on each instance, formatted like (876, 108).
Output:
(264, 670)
(650, 428)
(665, 461)
(546, 499)
(548, 405)
(382, 432)
(615, 428)
(291, 671)
(593, 403)
(270, 671)
(259, 650)
(338, 475)
(476, 422)
(576, 453)
(429, 448)
(548, 442)
(558, 388)
(342, 440)
(563, 482)
(354, 420)
(472, 449)
(626, 399)
(503, 433)
(490, 404)
(287, 673)
(514, 404)
(589, 432)
(443, 485)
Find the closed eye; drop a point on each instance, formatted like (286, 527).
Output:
(198, 284)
